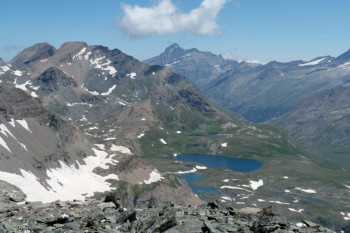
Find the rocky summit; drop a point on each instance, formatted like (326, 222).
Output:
(97, 216)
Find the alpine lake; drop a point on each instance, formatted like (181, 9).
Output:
(214, 162)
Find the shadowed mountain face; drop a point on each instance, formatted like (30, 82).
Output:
(118, 123)
(322, 122)
(257, 92)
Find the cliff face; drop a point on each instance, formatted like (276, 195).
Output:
(96, 216)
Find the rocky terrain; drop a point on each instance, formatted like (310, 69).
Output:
(322, 123)
(257, 92)
(114, 125)
(97, 216)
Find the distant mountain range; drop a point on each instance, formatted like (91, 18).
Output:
(199, 67)
(82, 121)
(257, 92)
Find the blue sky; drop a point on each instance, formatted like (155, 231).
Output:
(263, 30)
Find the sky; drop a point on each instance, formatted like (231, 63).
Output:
(255, 30)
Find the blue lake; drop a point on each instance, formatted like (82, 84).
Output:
(214, 162)
(193, 177)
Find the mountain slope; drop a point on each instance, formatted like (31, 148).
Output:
(199, 67)
(137, 117)
(321, 122)
(270, 90)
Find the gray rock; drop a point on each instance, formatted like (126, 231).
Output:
(106, 205)
(310, 224)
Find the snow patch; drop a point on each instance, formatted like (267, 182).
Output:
(312, 63)
(178, 132)
(87, 56)
(285, 177)
(185, 172)
(233, 187)
(24, 124)
(299, 224)
(226, 180)
(163, 141)
(224, 144)
(17, 73)
(294, 210)
(22, 86)
(132, 75)
(74, 104)
(256, 184)
(12, 122)
(227, 198)
(121, 149)
(154, 177)
(97, 63)
(66, 182)
(306, 190)
(5, 68)
(201, 167)
(109, 90)
(278, 202)
(91, 92)
(80, 54)
(141, 135)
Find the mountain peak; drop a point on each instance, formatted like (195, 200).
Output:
(35, 52)
(345, 56)
(173, 48)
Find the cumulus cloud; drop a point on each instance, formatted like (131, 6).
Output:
(164, 17)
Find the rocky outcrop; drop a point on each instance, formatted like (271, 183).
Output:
(97, 216)
(15, 103)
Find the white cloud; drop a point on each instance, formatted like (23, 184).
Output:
(227, 56)
(164, 17)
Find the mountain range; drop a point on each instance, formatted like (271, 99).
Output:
(82, 121)
(258, 92)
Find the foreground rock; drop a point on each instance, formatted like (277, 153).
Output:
(96, 216)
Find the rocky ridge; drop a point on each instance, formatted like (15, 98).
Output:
(97, 216)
